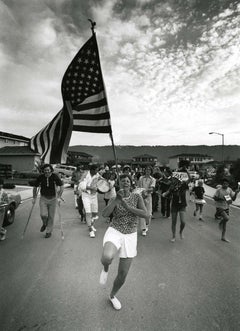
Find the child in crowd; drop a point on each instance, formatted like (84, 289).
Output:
(198, 192)
(3, 201)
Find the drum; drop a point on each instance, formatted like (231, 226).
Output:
(103, 186)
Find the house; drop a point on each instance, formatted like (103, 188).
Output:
(22, 158)
(196, 160)
(75, 158)
(9, 139)
(144, 160)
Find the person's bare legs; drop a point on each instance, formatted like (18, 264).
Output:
(123, 268)
(109, 251)
(174, 222)
(223, 225)
(182, 224)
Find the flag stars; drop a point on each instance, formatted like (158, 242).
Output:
(75, 74)
(82, 75)
(86, 61)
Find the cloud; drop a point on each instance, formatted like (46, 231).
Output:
(171, 68)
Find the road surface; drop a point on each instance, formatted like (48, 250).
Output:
(53, 284)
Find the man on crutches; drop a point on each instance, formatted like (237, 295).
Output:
(51, 189)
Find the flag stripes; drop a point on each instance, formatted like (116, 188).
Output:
(53, 140)
(85, 106)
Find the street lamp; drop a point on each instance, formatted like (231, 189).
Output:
(220, 134)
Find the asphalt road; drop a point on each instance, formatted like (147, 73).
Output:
(53, 284)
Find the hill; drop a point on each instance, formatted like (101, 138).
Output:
(103, 154)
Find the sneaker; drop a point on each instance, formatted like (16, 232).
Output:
(116, 303)
(103, 277)
(226, 240)
(43, 228)
(92, 234)
(173, 240)
(144, 233)
(200, 219)
(93, 228)
(2, 236)
(48, 235)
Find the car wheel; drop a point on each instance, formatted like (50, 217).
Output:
(9, 215)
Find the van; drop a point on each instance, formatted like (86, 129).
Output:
(64, 170)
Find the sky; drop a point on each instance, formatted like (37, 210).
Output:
(171, 67)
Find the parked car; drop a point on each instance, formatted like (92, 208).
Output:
(64, 170)
(194, 174)
(14, 202)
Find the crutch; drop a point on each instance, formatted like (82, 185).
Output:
(60, 219)
(30, 214)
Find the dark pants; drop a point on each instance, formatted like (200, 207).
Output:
(165, 206)
(81, 209)
(155, 201)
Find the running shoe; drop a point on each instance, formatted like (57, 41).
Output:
(103, 277)
(92, 234)
(144, 233)
(116, 303)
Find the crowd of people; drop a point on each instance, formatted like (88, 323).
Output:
(131, 199)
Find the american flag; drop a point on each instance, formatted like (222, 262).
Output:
(53, 140)
(83, 90)
(84, 109)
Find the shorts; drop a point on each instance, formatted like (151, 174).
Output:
(90, 203)
(125, 243)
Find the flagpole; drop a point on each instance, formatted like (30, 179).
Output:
(93, 24)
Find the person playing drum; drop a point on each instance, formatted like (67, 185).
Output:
(90, 197)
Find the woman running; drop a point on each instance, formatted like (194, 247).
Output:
(121, 235)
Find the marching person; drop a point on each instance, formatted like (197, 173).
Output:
(76, 176)
(88, 186)
(112, 191)
(51, 189)
(3, 201)
(198, 192)
(158, 175)
(148, 183)
(121, 235)
(224, 196)
(177, 191)
(165, 200)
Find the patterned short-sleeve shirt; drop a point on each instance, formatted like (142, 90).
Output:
(123, 220)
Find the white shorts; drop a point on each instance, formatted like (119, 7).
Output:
(90, 203)
(125, 243)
